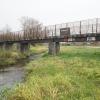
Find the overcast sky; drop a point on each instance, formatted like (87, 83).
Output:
(47, 11)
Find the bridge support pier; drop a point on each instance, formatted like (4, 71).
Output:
(54, 48)
(8, 46)
(24, 47)
(2, 46)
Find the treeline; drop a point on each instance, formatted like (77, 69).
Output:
(31, 29)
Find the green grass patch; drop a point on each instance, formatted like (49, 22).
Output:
(74, 74)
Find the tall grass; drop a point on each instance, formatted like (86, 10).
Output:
(72, 75)
(9, 57)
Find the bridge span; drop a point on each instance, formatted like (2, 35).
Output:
(53, 42)
(81, 31)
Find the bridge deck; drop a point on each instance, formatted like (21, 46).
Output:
(71, 38)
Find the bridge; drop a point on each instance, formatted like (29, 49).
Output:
(81, 31)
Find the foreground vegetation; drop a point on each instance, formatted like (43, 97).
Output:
(10, 57)
(72, 75)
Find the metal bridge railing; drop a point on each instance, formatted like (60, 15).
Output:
(78, 27)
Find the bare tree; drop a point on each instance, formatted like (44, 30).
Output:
(31, 27)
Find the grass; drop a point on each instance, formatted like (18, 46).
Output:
(10, 57)
(37, 49)
(74, 74)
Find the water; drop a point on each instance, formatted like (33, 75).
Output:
(14, 74)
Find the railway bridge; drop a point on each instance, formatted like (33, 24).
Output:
(53, 35)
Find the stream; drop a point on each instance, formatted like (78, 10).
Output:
(16, 73)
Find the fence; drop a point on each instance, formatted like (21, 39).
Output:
(78, 27)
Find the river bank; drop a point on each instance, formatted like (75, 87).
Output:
(9, 58)
(74, 74)
(13, 74)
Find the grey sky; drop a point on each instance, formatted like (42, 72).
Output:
(47, 11)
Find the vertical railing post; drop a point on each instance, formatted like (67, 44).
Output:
(24, 34)
(96, 25)
(55, 30)
(66, 25)
(52, 34)
(92, 28)
(80, 28)
(45, 32)
(33, 33)
(37, 33)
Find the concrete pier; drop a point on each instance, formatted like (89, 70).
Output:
(8, 46)
(54, 48)
(24, 47)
